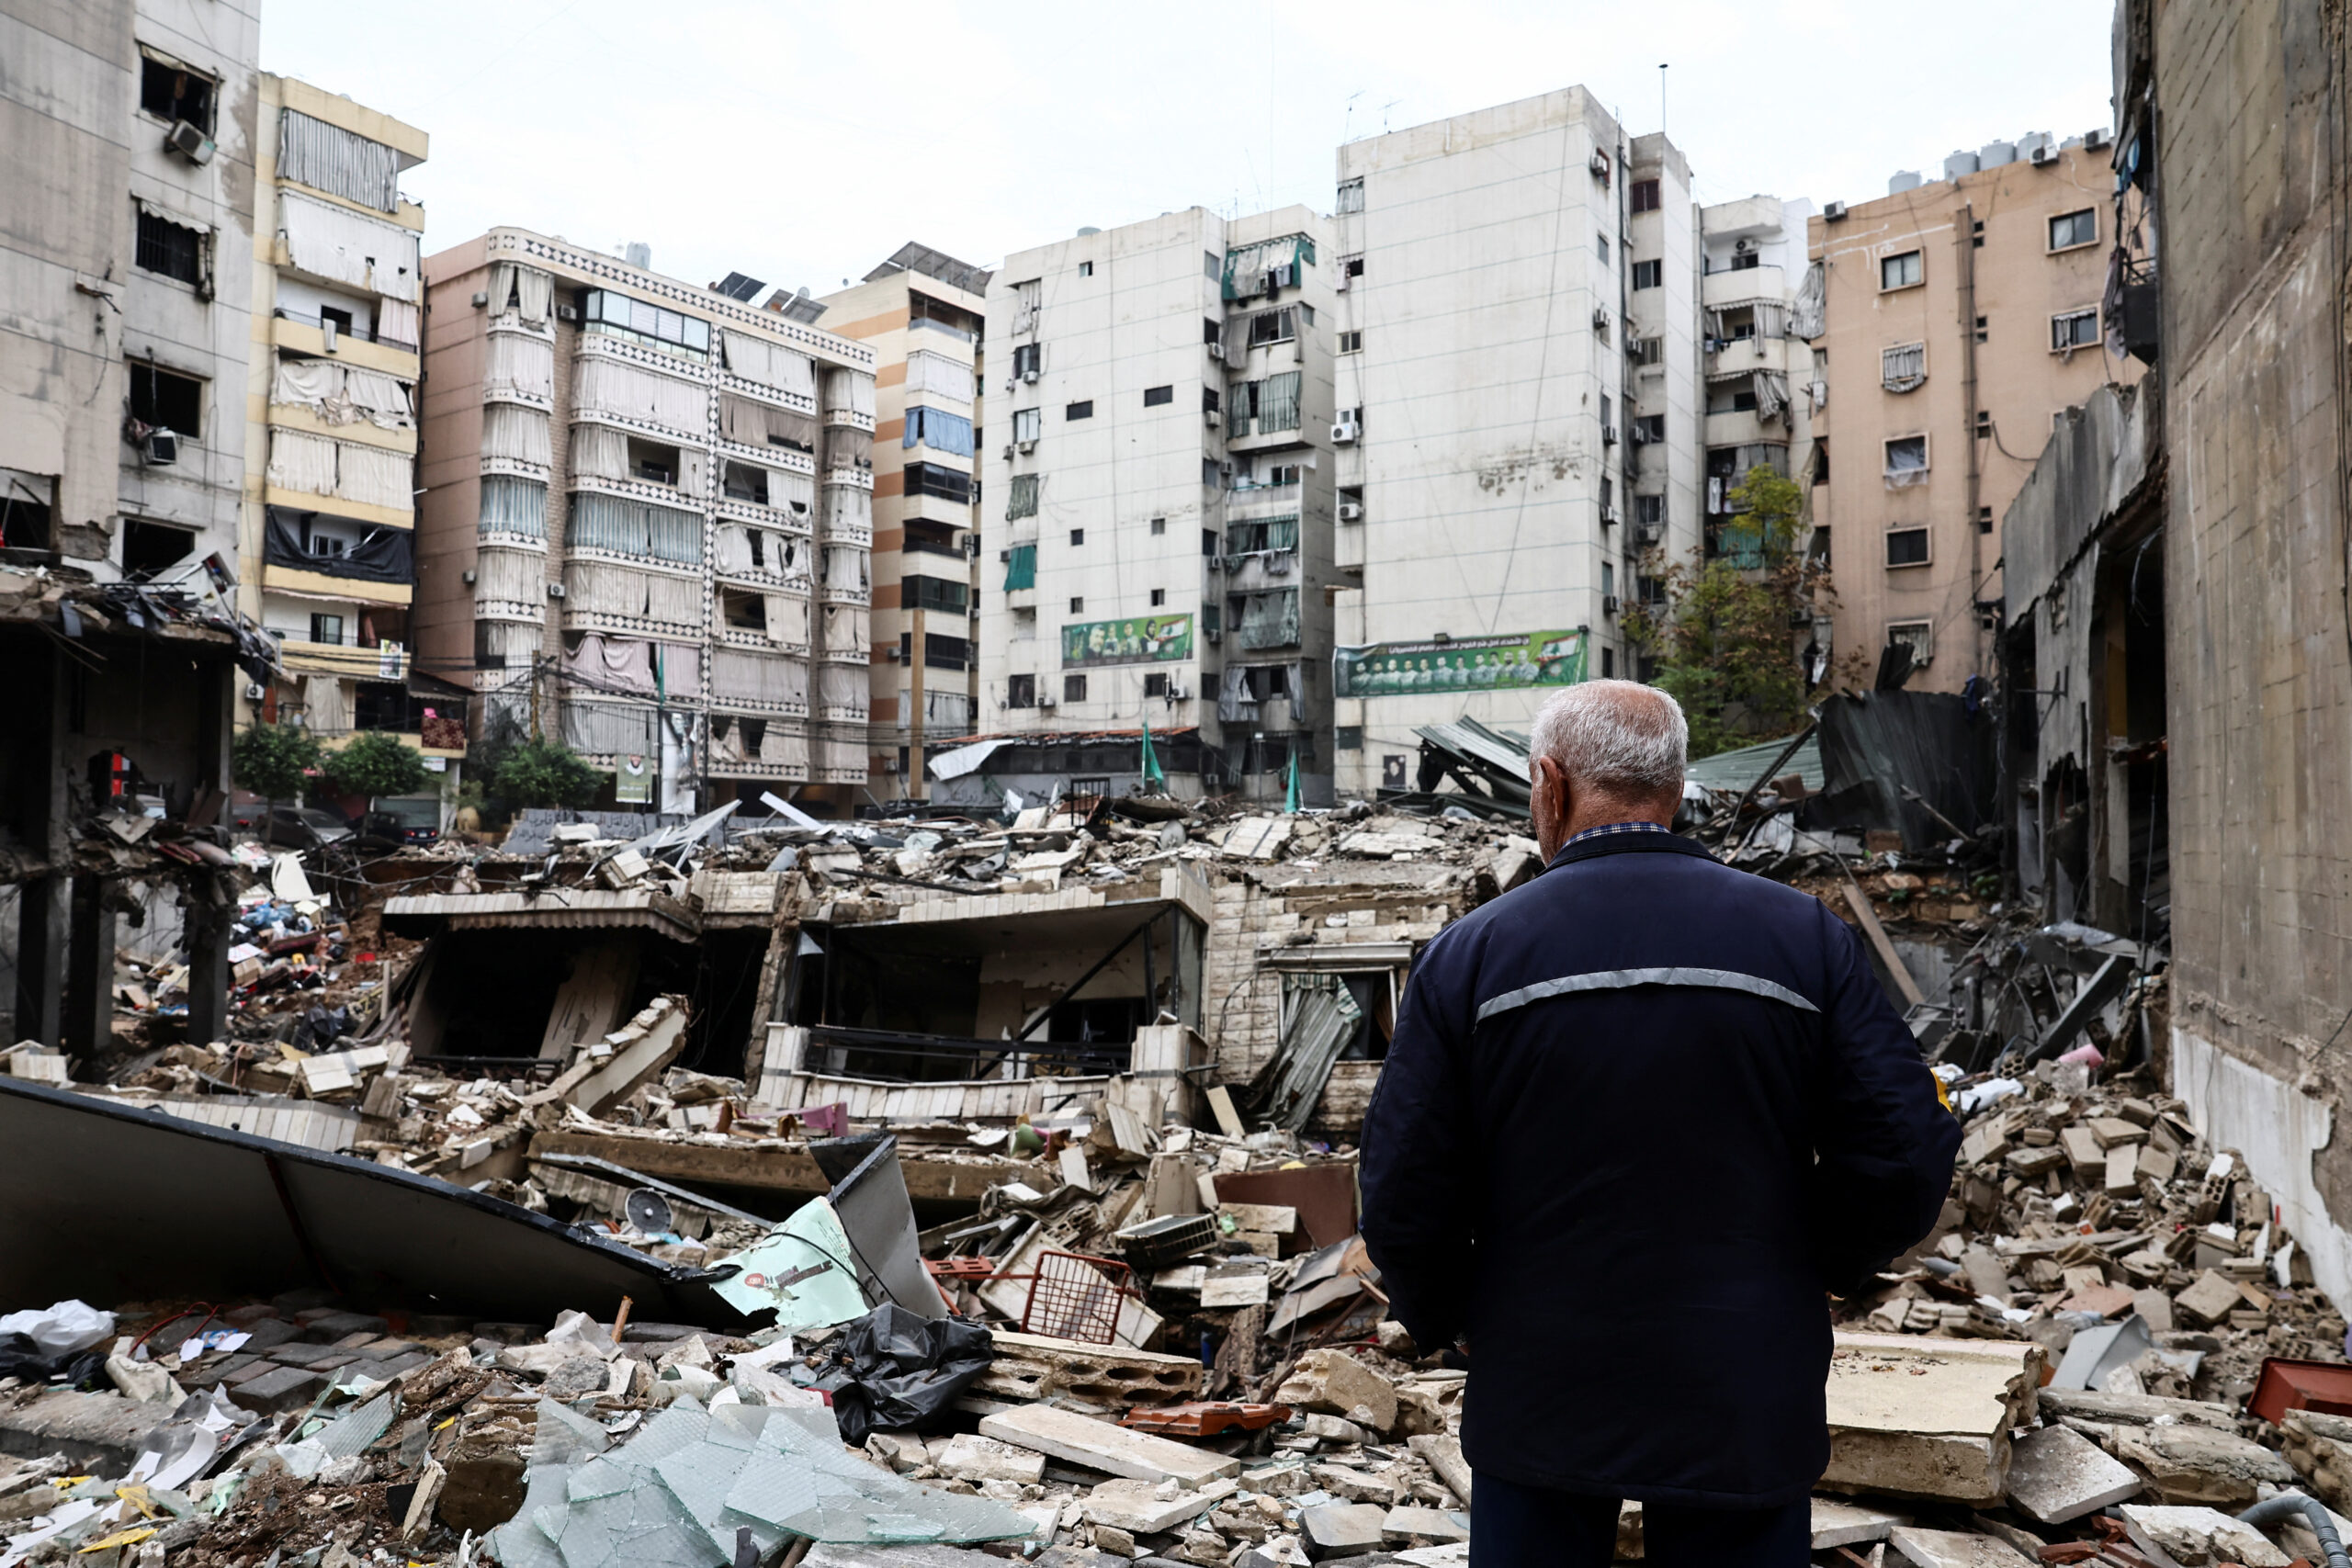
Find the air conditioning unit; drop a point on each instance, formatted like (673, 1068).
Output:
(1352, 511)
(467, 578)
(1641, 436)
(1608, 435)
(892, 656)
(1833, 212)
(890, 764)
(1178, 693)
(1008, 451)
(190, 143)
(1600, 321)
(1648, 534)
(1344, 433)
(1217, 351)
(1030, 376)
(255, 691)
(1026, 446)
(554, 589)
(1213, 563)
(1211, 418)
(567, 312)
(1609, 603)
(1215, 635)
(1005, 556)
(481, 299)
(1608, 517)
(1599, 167)
(2045, 153)
(1045, 699)
(2094, 140)
(1742, 247)
(161, 448)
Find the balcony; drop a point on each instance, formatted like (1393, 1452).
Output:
(1740, 427)
(306, 337)
(1717, 289)
(386, 661)
(925, 324)
(1742, 355)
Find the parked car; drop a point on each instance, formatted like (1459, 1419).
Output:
(306, 828)
(388, 831)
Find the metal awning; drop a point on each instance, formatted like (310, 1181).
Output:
(557, 909)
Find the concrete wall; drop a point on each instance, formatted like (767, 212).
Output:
(2261, 698)
(2016, 283)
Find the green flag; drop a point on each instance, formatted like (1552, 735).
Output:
(1154, 780)
(1290, 795)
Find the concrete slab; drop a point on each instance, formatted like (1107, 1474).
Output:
(102, 1431)
(2057, 1474)
(1917, 1417)
(1341, 1530)
(1098, 1445)
(1136, 1506)
(1849, 1524)
(1405, 1527)
(2194, 1537)
(977, 1458)
(1954, 1549)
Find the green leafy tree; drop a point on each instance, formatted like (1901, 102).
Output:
(1726, 638)
(374, 765)
(544, 772)
(271, 760)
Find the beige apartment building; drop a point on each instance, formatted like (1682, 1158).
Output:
(329, 523)
(646, 522)
(922, 312)
(1957, 319)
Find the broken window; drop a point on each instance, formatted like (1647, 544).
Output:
(1350, 197)
(148, 547)
(167, 401)
(1899, 271)
(1919, 637)
(2075, 329)
(173, 250)
(27, 510)
(1273, 326)
(1028, 359)
(1906, 459)
(1021, 691)
(170, 91)
(1021, 498)
(1649, 427)
(744, 481)
(1904, 368)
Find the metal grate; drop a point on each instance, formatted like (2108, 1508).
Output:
(1073, 1296)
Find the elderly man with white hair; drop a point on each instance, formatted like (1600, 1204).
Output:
(1640, 1119)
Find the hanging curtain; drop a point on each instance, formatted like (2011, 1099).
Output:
(939, 376)
(534, 293)
(770, 364)
(1021, 572)
(603, 663)
(398, 323)
(1235, 702)
(935, 428)
(846, 633)
(787, 619)
(847, 448)
(849, 510)
(338, 162)
(324, 709)
(627, 527)
(749, 422)
(845, 569)
(843, 691)
(608, 386)
(299, 460)
(1020, 497)
(1278, 402)
(522, 365)
(1269, 620)
(343, 247)
(510, 575)
(736, 676)
(512, 505)
(607, 728)
(374, 477)
(515, 435)
(851, 390)
(599, 452)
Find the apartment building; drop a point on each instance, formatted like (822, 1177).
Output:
(1762, 389)
(130, 174)
(1521, 289)
(646, 522)
(922, 312)
(1158, 498)
(1958, 319)
(329, 530)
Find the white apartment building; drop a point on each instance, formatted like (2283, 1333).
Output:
(1518, 300)
(126, 155)
(647, 521)
(1157, 508)
(1762, 391)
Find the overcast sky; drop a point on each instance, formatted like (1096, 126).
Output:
(803, 143)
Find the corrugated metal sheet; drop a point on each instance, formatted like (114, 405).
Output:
(1875, 745)
(1737, 769)
(569, 908)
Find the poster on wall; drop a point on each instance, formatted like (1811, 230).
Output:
(1139, 639)
(633, 782)
(1458, 664)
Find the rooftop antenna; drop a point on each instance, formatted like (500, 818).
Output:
(1383, 113)
(1661, 98)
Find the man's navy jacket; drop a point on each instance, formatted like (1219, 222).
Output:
(1638, 1117)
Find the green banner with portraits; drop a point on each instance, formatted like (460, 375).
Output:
(1139, 639)
(1458, 664)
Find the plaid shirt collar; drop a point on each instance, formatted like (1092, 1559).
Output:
(1616, 828)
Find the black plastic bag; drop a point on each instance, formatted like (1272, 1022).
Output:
(891, 1370)
(20, 1358)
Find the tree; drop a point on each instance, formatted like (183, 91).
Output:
(1726, 636)
(271, 760)
(375, 763)
(544, 773)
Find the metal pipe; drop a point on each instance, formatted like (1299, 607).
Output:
(2270, 1510)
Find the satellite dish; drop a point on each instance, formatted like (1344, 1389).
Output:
(648, 1211)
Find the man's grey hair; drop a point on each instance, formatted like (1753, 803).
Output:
(1617, 735)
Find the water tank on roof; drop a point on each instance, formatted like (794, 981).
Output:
(1089, 229)
(1903, 180)
(1959, 164)
(2031, 143)
(1993, 155)
(636, 252)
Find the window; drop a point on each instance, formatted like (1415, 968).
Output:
(339, 320)
(1073, 688)
(1649, 510)
(1609, 580)
(147, 547)
(1906, 547)
(1020, 497)
(1744, 401)
(1021, 691)
(930, 478)
(1649, 426)
(1904, 367)
(1079, 410)
(1306, 312)
(621, 315)
(932, 594)
(745, 482)
(326, 629)
(1600, 325)
(1984, 519)
(946, 652)
(1078, 535)
(1984, 422)
(1077, 604)
(1155, 685)
(1214, 265)
(1210, 399)
(328, 544)
(2075, 329)
(1210, 544)
(1646, 195)
(1899, 272)
(1153, 397)
(1028, 358)
(1158, 526)
(1352, 342)
(1976, 234)
(1983, 328)
(1210, 331)
(1350, 196)
(1158, 597)
(1746, 261)
(175, 250)
(166, 400)
(1608, 661)
(1273, 326)
(1086, 269)
(1646, 351)
(1919, 637)
(1602, 242)
(652, 461)
(172, 92)
(1907, 459)
(1026, 423)
(1352, 267)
